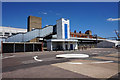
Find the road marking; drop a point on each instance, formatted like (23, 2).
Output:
(90, 63)
(8, 57)
(35, 58)
(72, 56)
(103, 62)
(74, 63)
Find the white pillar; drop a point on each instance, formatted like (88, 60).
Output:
(76, 46)
(49, 46)
(63, 44)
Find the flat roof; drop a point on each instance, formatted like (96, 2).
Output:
(86, 38)
(62, 40)
(23, 42)
(12, 29)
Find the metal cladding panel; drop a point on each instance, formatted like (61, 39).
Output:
(46, 31)
(15, 38)
(31, 35)
(59, 29)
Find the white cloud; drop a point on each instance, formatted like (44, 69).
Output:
(58, 14)
(43, 12)
(111, 19)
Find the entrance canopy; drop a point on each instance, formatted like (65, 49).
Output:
(62, 40)
(61, 44)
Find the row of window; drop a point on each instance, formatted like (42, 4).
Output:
(72, 35)
(6, 34)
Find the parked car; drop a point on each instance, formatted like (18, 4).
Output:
(118, 46)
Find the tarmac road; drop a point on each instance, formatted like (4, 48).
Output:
(23, 65)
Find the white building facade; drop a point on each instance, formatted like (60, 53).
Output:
(63, 41)
(8, 31)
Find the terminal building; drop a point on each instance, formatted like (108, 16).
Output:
(5, 32)
(51, 37)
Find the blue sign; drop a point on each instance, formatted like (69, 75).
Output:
(66, 36)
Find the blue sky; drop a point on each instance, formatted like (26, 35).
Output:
(95, 16)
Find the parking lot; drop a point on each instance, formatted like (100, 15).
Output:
(101, 63)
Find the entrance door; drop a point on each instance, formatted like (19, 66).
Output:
(71, 46)
(66, 47)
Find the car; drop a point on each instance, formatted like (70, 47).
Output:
(118, 46)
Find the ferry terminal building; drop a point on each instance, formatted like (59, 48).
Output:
(51, 37)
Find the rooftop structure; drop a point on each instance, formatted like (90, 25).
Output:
(8, 31)
(34, 23)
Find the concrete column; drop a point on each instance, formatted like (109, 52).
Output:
(24, 47)
(42, 47)
(14, 48)
(49, 46)
(63, 44)
(69, 45)
(33, 47)
(76, 45)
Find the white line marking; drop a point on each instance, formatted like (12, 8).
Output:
(90, 62)
(35, 58)
(103, 62)
(72, 55)
(8, 57)
(74, 63)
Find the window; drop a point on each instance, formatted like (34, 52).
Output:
(6, 34)
(1, 34)
(13, 33)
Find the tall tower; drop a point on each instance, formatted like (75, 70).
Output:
(63, 29)
(34, 23)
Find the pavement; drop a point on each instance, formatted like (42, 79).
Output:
(102, 63)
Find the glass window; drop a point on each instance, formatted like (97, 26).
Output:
(0, 33)
(13, 33)
(6, 34)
